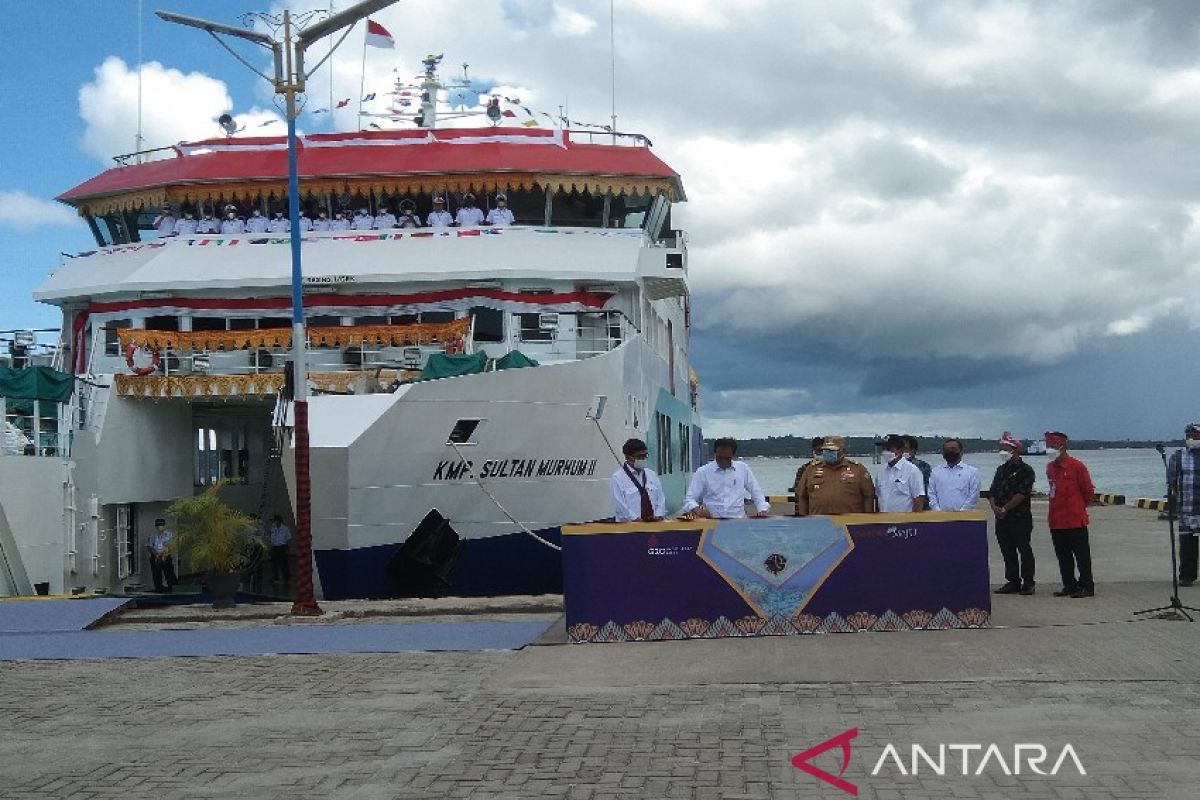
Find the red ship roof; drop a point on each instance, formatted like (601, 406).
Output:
(420, 160)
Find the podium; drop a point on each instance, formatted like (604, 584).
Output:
(777, 576)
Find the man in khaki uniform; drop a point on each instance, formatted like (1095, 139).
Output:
(835, 484)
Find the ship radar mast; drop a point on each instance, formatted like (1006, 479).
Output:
(431, 85)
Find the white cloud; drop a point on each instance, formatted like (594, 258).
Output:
(175, 107)
(568, 22)
(24, 212)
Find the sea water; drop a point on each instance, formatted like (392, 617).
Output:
(1133, 472)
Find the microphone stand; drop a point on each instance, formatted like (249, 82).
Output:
(1174, 609)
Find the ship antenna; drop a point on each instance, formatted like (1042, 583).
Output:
(612, 50)
(137, 140)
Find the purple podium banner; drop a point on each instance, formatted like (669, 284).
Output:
(775, 576)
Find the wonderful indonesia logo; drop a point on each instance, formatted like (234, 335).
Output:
(942, 760)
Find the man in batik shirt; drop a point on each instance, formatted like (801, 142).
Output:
(1184, 474)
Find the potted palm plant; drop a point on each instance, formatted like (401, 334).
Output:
(215, 539)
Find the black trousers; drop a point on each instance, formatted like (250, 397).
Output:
(1013, 536)
(1074, 554)
(280, 567)
(1189, 557)
(162, 570)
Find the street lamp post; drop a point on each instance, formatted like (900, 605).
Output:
(289, 80)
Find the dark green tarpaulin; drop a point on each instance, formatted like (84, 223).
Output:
(515, 360)
(445, 366)
(36, 383)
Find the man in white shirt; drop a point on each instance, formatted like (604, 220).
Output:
(278, 536)
(306, 223)
(257, 223)
(185, 225)
(718, 489)
(279, 224)
(899, 487)
(232, 222)
(162, 565)
(340, 223)
(501, 216)
(439, 217)
(953, 486)
(469, 215)
(635, 489)
(322, 222)
(408, 218)
(385, 220)
(208, 224)
(362, 220)
(164, 223)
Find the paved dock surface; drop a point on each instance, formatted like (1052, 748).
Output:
(715, 719)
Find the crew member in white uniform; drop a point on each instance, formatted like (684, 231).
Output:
(340, 223)
(164, 223)
(256, 223)
(900, 486)
(953, 486)
(185, 225)
(408, 218)
(636, 492)
(719, 488)
(279, 224)
(322, 222)
(208, 224)
(469, 216)
(439, 217)
(385, 220)
(362, 220)
(232, 222)
(306, 224)
(501, 216)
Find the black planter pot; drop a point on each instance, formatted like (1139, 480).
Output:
(223, 587)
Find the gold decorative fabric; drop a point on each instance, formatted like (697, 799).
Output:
(331, 336)
(263, 384)
(251, 191)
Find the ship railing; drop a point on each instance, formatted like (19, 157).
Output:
(573, 335)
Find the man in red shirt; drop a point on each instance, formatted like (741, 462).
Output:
(1071, 490)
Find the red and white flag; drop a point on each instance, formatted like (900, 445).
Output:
(378, 36)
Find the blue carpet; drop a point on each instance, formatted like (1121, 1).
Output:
(44, 616)
(275, 639)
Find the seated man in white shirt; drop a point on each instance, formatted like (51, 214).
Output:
(953, 486)
(439, 217)
(385, 220)
(718, 489)
(900, 486)
(186, 224)
(280, 224)
(362, 220)
(469, 215)
(635, 489)
(501, 216)
(322, 222)
(256, 222)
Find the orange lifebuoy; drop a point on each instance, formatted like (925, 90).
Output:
(155, 358)
(454, 346)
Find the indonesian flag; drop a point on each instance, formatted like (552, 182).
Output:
(378, 36)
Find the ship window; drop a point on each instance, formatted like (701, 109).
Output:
(578, 209)
(629, 211)
(162, 323)
(437, 316)
(403, 319)
(241, 324)
(275, 322)
(489, 324)
(112, 345)
(378, 320)
(532, 330)
(208, 323)
(324, 321)
(463, 431)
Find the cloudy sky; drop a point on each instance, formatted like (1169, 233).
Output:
(956, 217)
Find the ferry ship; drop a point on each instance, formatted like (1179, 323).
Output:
(468, 385)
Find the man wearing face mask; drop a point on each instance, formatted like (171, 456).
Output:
(834, 484)
(257, 222)
(719, 488)
(1071, 490)
(953, 486)
(911, 448)
(1009, 498)
(1183, 470)
(635, 489)
(817, 443)
(500, 215)
(232, 222)
(899, 487)
(469, 215)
